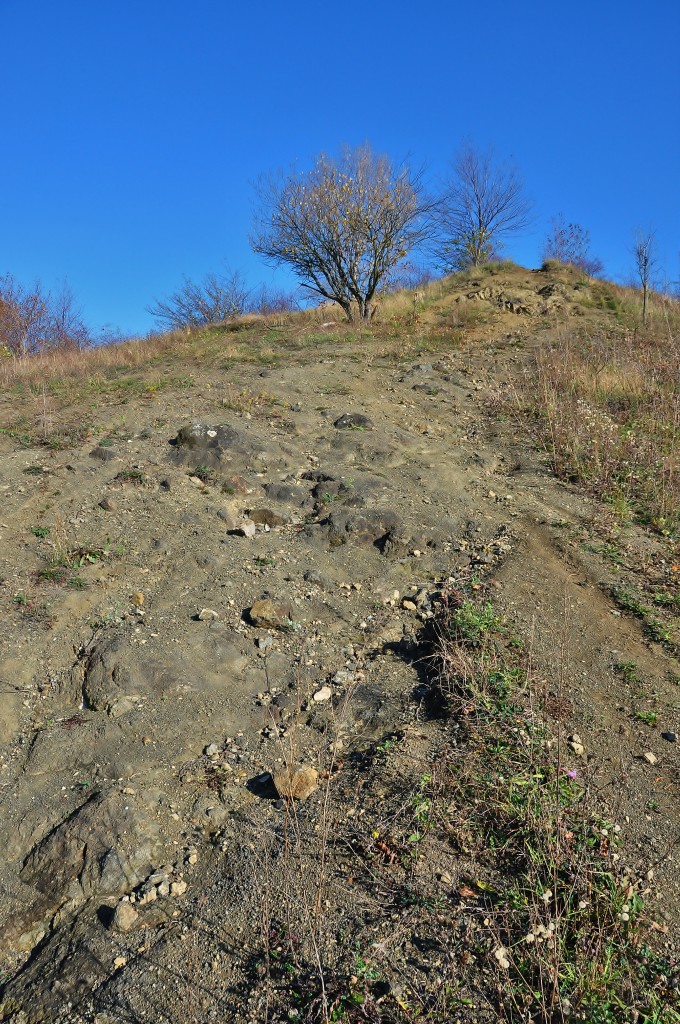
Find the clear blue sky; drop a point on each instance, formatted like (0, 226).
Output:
(131, 132)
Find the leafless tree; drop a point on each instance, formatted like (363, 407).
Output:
(66, 327)
(269, 301)
(33, 319)
(644, 254)
(23, 315)
(196, 304)
(570, 243)
(342, 226)
(482, 202)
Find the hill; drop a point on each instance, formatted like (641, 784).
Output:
(339, 666)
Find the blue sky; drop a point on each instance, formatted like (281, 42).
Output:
(132, 131)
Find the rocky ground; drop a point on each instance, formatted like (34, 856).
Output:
(211, 610)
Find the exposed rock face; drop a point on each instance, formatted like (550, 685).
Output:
(109, 675)
(106, 847)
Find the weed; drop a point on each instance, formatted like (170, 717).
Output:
(628, 671)
(264, 560)
(648, 717)
(40, 531)
(204, 473)
(131, 476)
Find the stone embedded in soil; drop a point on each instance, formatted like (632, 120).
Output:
(324, 694)
(270, 614)
(284, 493)
(297, 784)
(108, 505)
(650, 757)
(670, 737)
(207, 615)
(202, 444)
(103, 453)
(204, 435)
(353, 421)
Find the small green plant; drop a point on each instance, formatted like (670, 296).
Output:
(628, 671)
(131, 476)
(40, 531)
(205, 473)
(648, 717)
(264, 560)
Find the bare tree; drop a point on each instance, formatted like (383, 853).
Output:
(269, 301)
(570, 243)
(342, 226)
(66, 327)
(482, 202)
(196, 304)
(33, 319)
(24, 315)
(644, 254)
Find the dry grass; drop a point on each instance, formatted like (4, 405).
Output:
(608, 408)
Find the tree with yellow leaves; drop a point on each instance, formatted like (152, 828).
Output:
(343, 226)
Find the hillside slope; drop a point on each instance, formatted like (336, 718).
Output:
(235, 556)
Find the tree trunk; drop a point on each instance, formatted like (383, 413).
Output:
(644, 305)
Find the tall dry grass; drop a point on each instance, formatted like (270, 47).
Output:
(607, 406)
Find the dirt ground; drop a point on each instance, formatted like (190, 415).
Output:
(146, 698)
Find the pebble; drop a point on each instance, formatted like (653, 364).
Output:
(325, 693)
(670, 737)
(247, 528)
(650, 757)
(207, 614)
(125, 917)
(179, 887)
(211, 750)
(576, 744)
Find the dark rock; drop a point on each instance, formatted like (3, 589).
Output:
(203, 444)
(670, 737)
(364, 527)
(394, 544)
(104, 454)
(353, 421)
(317, 475)
(283, 493)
